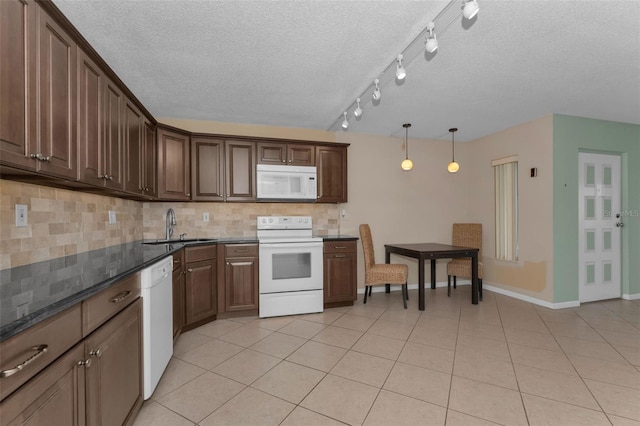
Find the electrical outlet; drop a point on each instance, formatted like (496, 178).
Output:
(343, 213)
(112, 217)
(205, 217)
(21, 215)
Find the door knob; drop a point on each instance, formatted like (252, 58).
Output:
(619, 224)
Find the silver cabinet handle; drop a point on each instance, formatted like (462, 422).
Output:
(189, 270)
(97, 353)
(340, 255)
(40, 349)
(41, 157)
(85, 363)
(241, 250)
(119, 298)
(339, 247)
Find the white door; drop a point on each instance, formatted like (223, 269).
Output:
(599, 237)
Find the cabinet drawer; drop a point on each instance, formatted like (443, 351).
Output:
(37, 347)
(339, 246)
(240, 250)
(196, 254)
(178, 259)
(99, 308)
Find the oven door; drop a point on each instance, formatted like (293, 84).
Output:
(295, 266)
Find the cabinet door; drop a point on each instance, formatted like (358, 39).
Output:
(133, 145)
(207, 169)
(90, 121)
(178, 301)
(301, 155)
(54, 397)
(150, 175)
(332, 174)
(18, 83)
(272, 153)
(200, 291)
(114, 378)
(113, 144)
(241, 284)
(173, 166)
(56, 90)
(240, 171)
(339, 277)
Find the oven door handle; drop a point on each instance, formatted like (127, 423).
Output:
(292, 245)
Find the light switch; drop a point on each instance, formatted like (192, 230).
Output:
(112, 217)
(205, 217)
(21, 215)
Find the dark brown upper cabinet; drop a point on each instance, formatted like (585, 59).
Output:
(240, 170)
(133, 149)
(174, 167)
(150, 158)
(207, 169)
(331, 162)
(286, 154)
(18, 83)
(113, 175)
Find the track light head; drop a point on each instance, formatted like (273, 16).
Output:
(470, 9)
(358, 111)
(401, 73)
(432, 42)
(345, 122)
(377, 94)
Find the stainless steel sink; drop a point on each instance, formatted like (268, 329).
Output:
(186, 240)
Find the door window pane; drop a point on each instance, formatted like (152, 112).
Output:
(606, 207)
(591, 240)
(591, 273)
(590, 174)
(606, 240)
(606, 272)
(589, 208)
(606, 175)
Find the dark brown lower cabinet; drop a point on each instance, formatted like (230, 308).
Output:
(96, 382)
(340, 273)
(53, 397)
(201, 295)
(114, 391)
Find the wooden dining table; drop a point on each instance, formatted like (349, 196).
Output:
(434, 251)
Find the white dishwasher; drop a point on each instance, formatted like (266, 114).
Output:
(157, 315)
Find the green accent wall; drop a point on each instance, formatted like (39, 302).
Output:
(570, 136)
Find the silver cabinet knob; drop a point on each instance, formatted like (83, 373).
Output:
(97, 353)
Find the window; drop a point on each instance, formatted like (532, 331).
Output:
(506, 193)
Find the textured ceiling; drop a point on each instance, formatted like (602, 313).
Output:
(302, 63)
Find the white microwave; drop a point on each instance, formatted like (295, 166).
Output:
(276, 182)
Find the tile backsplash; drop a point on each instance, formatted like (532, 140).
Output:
(232, 219)
(63, 222)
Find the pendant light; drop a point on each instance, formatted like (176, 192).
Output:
(453, 167)
(406, 163)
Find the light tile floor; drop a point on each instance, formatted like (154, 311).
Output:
(503, 361)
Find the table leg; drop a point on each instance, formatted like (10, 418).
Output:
(387, 259)
(421, 284)
(433, 273)
(474, 279)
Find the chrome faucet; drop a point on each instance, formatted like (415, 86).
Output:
(170, 223)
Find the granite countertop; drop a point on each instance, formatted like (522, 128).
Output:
(32, 293)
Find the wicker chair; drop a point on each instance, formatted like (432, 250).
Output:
(381, 273)
(465, 235)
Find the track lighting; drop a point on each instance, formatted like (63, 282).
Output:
(432, 42)
(376, 93)
(453, 167)
(426, 39)
(358, 111)
(401, 73)
(345, 122)
(406, 164)
(470, 9)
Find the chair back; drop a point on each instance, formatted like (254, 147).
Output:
(468, 235)
(367, 245)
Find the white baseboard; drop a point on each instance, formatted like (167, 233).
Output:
(634, 296)
(550, 305)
